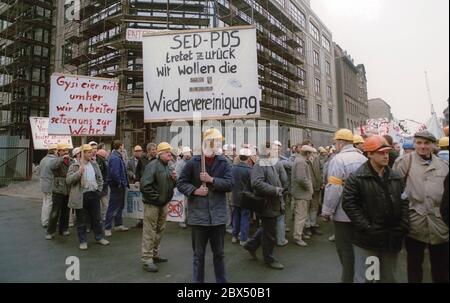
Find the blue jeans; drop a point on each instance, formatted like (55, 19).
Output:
(115, 207)
(240, 222)
(281, 230)
(89, 213)
(200, 237)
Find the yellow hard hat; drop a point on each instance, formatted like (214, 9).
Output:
(443, 142)
(344, 134)
(52, 147)
(212, 134)
(86, 147)
(163, 147)
(357, 139)
(62, 146)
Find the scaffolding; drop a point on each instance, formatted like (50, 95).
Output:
(25, 50)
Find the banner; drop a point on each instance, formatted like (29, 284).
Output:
(41, 139)
(134, 208)
(82, 106)
(212, 71)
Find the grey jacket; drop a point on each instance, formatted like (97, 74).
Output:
(74, 182)
(316, 173)
(265, 179)
(46, 174)
(302, 186)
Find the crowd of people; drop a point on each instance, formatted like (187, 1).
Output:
(380, 196)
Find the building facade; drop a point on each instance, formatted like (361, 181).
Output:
(295, 58)
(351, 89)
(378, 108)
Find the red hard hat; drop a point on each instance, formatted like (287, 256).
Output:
(376, 143)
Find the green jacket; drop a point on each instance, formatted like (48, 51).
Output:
(156, 184)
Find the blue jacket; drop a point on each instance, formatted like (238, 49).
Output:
(117, 173)
(212, 209)
(242, 181)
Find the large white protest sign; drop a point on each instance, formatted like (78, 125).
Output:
(41, 139)
(82, 106)
(212, 71)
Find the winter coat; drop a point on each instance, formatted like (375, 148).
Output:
(117, 173)
(74, 182)
(316, 173)
(375, 206)
(131, 169)
(444, 203)
(46, 174)
(60, 169)
(265, 179)
(140, 167)
(103, 166)
(212, 209)
(347, 161)
(302, 187)
(424, 189)
(242, 178)
(156, 184)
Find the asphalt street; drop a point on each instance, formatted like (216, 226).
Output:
(25, 255)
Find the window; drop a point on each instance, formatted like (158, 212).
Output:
(316, 86)
(314, 31)
(302, 75)
(303, 108)
(326, 43)
(319, 112)
(329, 92)
(330, 115)
(328, 68)
(316, 58)
(301, 48)
(297, 14)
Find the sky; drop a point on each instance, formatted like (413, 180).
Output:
(396, 40)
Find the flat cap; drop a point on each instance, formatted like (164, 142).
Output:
(425, 135)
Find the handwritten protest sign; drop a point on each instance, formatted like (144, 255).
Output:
(41, 139)
(134, 207)
(212, 71)
(82, 106)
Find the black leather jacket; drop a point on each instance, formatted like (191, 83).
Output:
(379, 215)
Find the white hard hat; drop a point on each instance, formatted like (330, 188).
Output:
(307, 148)
(276, 142)
(76, 151)
(186, 150)
(245, 152)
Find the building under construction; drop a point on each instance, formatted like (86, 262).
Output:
(295, 65)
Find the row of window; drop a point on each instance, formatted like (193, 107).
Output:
(317, 88)
(319, 114)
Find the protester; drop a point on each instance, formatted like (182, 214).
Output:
(207, 204)
(266, 183)
(118, 183)
(424, 174)
(372, 199)
(347, 161)
(104, 195)
(132, 165)
(443, 149)
(185, 156)
(157, 185)
(393, 155)
(358, 143)
(46, 183)
(242, 180)
(229, 152)
(302, 192)
(145, 159)
(60, 193)
(445, 202)
(311, 225)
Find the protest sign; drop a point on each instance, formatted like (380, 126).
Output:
(41, 139)
(134, 207)
(82, 106)
(212, 71)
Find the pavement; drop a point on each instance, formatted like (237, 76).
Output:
(27, 257)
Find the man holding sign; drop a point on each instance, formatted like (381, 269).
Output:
(205, 182)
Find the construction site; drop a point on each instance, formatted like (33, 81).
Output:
(40, 37)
